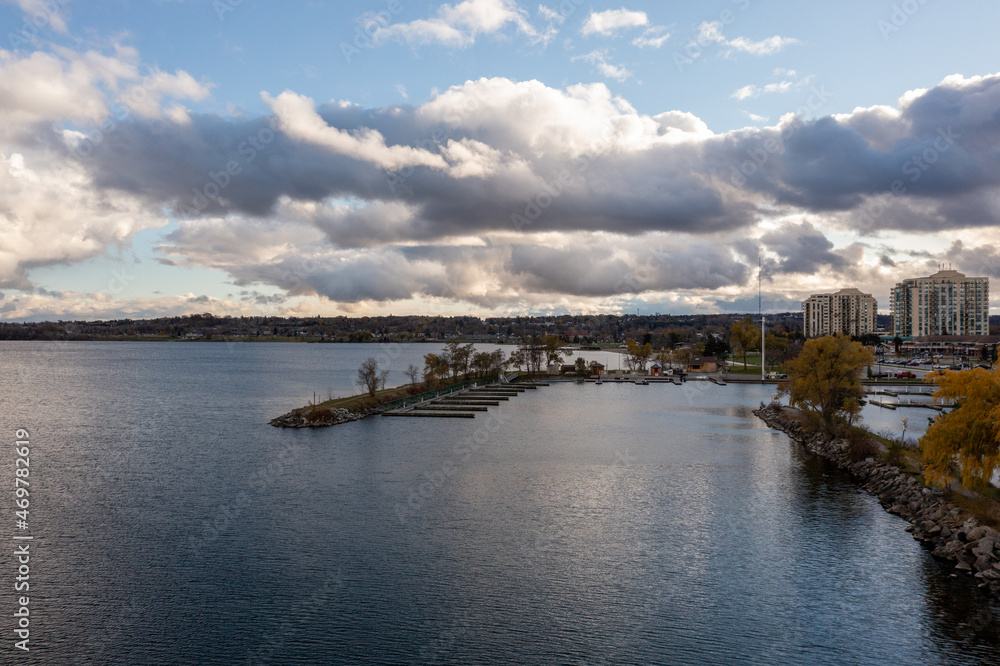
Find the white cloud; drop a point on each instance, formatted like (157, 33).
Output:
(599, 59)
(551, 15)
(42, 12)
(711, 32)
(80, 87)
(613, 20)
(299, 120)
(51, 212)
(316, 217)
(751, 90)
(459, 25)
(653, 37)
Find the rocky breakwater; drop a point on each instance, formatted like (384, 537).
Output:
(318, 417)
(952, 534)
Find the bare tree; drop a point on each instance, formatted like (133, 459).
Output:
(371, 378)
(412, 373)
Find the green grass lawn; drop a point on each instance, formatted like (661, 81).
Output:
(748, 370)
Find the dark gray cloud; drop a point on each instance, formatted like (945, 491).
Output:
(801, 248)
(981, 261)
(942, 158)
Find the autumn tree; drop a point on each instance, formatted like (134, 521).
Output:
(435, 366)
(970, 433)
(825, 378)
(745, 336)
(553, 349)
(371, 377)
(637, 355)
(517, 359)
(459, 357)
(777, 349)
(580, 367)
(534, 351)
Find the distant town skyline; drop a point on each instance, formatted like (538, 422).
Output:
(489, 157)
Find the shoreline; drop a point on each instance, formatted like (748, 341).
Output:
(952, 534)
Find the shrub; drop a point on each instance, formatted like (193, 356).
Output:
(318, 414)
(860, 445)
(894, 456)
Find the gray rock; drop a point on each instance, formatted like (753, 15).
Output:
(975, 534)
(984, 546)
(982, 563)
(963, 566)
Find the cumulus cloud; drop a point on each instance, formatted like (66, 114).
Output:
(50, 214)
(613, 20)
(599, 59)
(459, 25)
(755, 91)
(711, 32)
(83, 89)
(498, 193)
(653, 37)
(298, 119)
(42, 12)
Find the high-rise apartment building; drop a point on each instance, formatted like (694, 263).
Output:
(848, 311)
(946, 303)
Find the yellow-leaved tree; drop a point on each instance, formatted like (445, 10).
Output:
(745, 336)
(826, 378)
(970, 433)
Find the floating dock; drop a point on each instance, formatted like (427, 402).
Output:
(464, 404)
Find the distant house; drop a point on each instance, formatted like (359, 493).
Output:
(655, 370)
(704, 364)
(596, 368)
(567, 369)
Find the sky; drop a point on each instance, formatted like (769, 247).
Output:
(490, 157)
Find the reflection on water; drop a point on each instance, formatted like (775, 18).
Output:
(574, 524)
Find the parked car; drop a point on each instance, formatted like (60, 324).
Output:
(906, 375)
(914, 363)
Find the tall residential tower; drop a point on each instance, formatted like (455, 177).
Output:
(848, 311)
(946, 303)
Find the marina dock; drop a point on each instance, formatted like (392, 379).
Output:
(466, 403)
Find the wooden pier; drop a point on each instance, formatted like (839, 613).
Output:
(466, 403)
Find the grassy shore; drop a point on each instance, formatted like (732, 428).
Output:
(982, 502)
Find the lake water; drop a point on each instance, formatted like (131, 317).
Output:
(577, 524)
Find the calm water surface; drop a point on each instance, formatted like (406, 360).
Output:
(575, 524)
